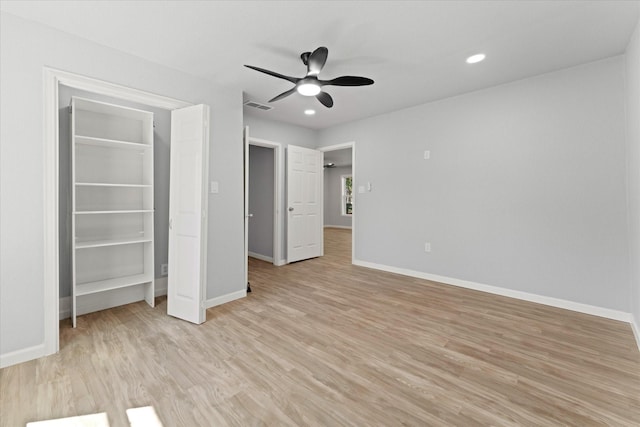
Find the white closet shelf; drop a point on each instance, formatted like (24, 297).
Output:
(113, 212)
(112, 202)
(104, 184)
(114, 143)
(107, 285)
(111, 242)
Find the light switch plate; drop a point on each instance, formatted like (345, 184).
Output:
(361, 189)
(213, 188)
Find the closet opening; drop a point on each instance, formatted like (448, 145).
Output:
(55, 211)
(113, 201)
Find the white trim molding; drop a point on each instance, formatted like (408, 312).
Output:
(223, 299)
(64, 305)
(636, 330)
(260, 257)
(161, 286)
(525, 296)
(22, 355)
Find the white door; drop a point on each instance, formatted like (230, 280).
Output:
(245, 136)
(304, 208)
(187, 213)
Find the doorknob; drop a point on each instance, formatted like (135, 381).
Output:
(290, 209)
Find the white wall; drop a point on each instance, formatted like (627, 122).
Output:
(281, 132)
(333, 197)
(284, 134)
(525, 189)
(25, 48)
(633, 169)
(261, 193)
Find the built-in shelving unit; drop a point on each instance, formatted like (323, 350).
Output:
(112, 200)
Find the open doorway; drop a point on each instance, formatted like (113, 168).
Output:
(339, 199)
(262, 204)
(263, 196)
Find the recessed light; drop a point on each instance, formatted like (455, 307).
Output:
(309, 112)
(476, 58)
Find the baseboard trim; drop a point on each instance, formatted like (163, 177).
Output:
(344, 227)
(525, 296)
(636, 330)
(64, 309)
(226, 298)
(281, 263)
(260, 257)
(22, 355)
(160, 286)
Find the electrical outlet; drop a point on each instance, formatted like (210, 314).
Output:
(427, 247)
(164, 269)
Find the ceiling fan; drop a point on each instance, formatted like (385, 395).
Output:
(311, 85)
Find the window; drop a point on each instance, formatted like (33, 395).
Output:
(347, 194)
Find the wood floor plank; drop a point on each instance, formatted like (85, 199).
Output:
(325, 343)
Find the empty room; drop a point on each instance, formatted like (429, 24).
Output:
(319, 213)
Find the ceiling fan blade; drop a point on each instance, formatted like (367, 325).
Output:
(325, 99)
(317, 60)
(283, 95)
(305, 57)
(347, 81)
(293, 80)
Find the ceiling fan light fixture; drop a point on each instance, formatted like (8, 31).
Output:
(308, 89)
(309, 112)
(473, 59)
(310, 85)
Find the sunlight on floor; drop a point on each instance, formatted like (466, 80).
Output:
(138, 417)
(93, 420)
(143, 417)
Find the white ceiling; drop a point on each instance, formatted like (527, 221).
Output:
(414, 50)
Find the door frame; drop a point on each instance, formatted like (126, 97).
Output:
(52, 78)
(278, 187)
(352, 145)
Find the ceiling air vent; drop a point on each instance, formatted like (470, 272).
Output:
(259, 106)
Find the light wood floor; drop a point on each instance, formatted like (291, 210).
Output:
(325, 343)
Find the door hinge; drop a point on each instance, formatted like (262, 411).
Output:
(70, 109)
